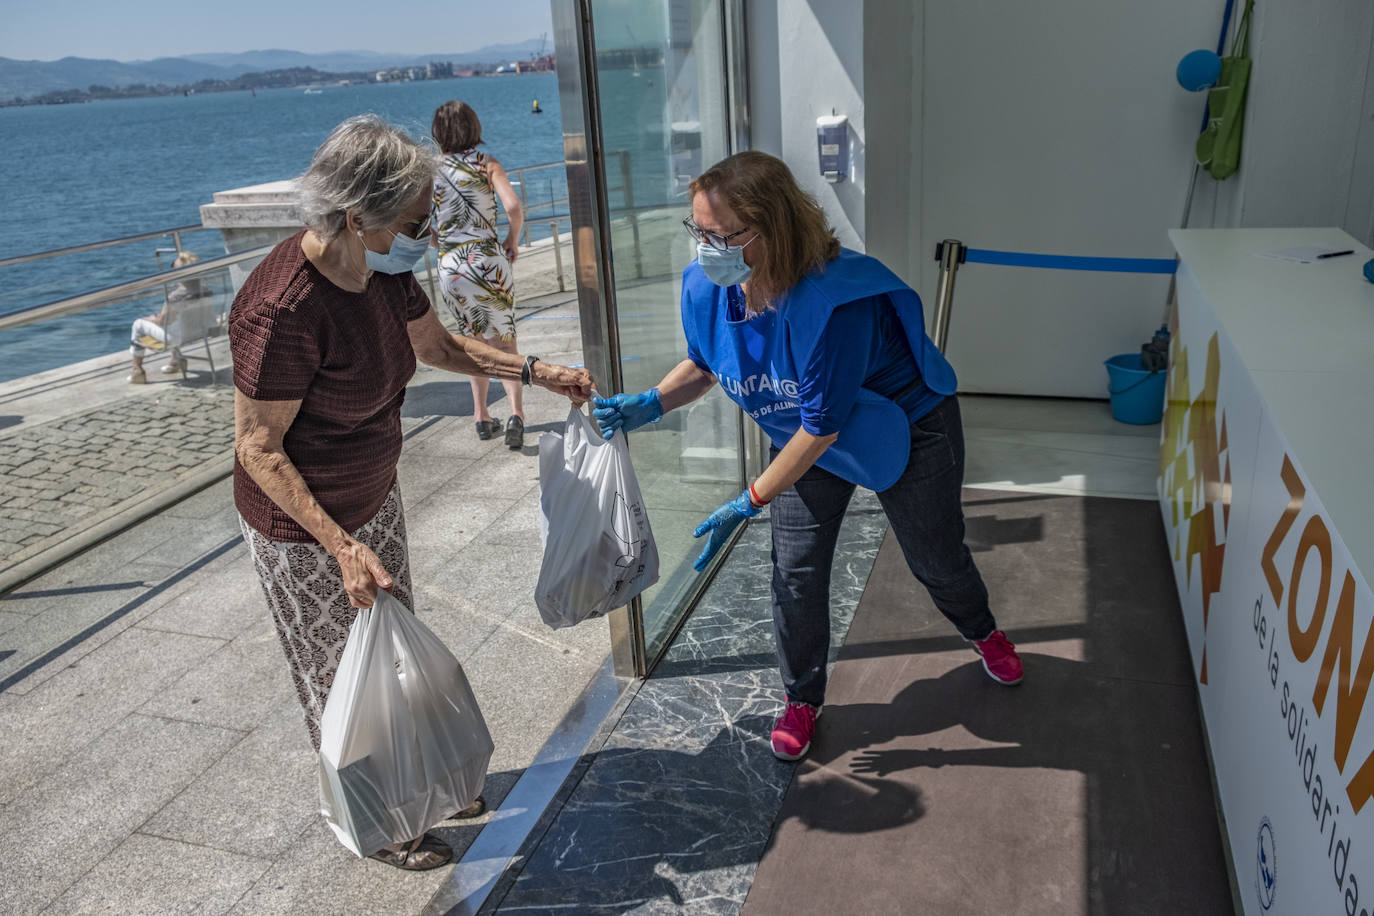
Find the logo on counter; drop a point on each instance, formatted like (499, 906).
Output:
(1195, 473)
(1266, 864)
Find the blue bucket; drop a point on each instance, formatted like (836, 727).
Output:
(1137, 393)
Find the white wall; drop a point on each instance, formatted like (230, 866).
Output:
(1057, 127)
(806, 58)
(1307, 156)
(892, 65)
(765, 75)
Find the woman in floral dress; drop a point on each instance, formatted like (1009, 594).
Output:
(474, 267)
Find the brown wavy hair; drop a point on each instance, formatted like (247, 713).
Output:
(455, 127)
(795, 235)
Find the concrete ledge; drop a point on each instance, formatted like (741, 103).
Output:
(269, 192)
(259, 214)
(249, 215)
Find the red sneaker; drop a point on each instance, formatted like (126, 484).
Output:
(1000, 660)
(793, 730)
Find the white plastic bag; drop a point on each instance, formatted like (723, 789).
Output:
(402, 742)
(598, 549)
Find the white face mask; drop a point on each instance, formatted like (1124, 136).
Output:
(400, 258)
(723, 268)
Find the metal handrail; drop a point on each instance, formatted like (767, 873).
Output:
(625, 187)
(127, 290)
(557, 163)
(92, 246)
(517, 175)
(133, 288)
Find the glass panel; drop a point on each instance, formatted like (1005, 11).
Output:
(661, 75)
(191, 313)
(30, 281)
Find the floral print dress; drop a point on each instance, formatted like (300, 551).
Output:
(474, 275)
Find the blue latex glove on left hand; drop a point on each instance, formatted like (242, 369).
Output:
(720, 523)
(627, 411)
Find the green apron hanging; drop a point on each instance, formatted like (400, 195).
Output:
(1218, 148)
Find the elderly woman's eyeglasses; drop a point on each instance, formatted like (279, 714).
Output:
(416, 230)
(714, 239)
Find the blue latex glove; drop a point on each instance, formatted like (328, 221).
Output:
(720, 523)
(627, 411)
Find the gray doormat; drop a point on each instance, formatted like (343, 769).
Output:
(932, 789)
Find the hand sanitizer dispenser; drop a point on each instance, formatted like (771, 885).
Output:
(832, 145)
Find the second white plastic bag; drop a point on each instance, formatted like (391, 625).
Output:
(599, 551)
(402, 742)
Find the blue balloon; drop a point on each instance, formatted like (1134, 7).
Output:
(1198, 70)
(1369, 270)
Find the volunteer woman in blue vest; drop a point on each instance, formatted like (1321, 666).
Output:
(826, 350)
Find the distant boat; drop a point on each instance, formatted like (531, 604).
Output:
(314, 91)
(536, 109)
(634, 49)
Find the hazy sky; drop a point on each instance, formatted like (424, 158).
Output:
(144, 29)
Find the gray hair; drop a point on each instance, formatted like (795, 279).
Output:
(368, 166)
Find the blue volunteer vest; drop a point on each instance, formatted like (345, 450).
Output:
(756, 361)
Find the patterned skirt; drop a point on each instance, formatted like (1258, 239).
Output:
(305, 593)
(476, 283)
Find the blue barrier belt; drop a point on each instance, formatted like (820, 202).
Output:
(1071, 262)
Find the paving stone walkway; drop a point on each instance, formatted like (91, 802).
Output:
(163, 766)
(70, 472)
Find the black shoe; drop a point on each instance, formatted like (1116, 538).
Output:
(488, 428)
(515, 434)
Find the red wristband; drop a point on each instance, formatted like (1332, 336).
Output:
(754, 497)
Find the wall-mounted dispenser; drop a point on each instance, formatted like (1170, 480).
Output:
(832, 146)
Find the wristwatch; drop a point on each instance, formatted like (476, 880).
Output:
(527, 373)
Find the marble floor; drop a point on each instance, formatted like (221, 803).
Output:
(676, 799)
(1052, 445)
(678, 803)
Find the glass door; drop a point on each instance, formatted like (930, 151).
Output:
(653, 108)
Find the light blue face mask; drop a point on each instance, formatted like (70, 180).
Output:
(724, 268)
(400, 258)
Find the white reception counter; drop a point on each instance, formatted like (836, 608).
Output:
(1268, 505)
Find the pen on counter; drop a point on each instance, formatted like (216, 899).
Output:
(1335, 254)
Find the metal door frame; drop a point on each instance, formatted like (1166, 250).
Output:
(585, 155)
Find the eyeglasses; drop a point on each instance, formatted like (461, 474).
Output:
(714, 239)
(416, 230)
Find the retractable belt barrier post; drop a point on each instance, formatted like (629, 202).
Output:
(952, 252)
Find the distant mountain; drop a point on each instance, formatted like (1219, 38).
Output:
(24, 78)
(272, 59)
(520, 50)
(352, 61)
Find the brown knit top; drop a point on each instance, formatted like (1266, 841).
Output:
(346, 357)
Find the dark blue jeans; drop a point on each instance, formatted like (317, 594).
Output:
(927, 517)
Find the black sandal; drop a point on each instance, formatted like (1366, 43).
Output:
(421, 854)
(488, 428)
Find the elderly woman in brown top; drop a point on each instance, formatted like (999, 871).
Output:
(325, 334)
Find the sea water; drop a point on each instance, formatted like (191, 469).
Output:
(101, 170)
